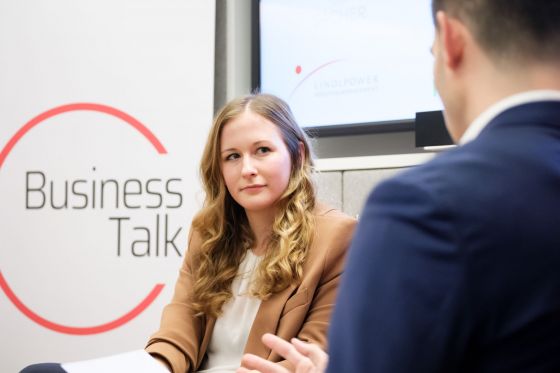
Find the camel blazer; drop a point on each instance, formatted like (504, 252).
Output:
(302, 310)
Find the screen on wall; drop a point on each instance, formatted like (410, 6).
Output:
(348, 62)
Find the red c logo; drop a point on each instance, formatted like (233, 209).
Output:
(3, 283)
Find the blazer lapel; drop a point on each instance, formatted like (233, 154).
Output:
(266, 321)
(205, 340)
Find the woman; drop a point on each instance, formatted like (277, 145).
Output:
(262, 256)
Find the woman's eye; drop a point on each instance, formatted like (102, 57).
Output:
(232, 156)
(263, 150)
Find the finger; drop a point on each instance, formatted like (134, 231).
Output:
(306, 366)
(283, 348)
(250, 361)
(315, 353)
(303, 347)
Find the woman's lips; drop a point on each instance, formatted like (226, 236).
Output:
(251, 188)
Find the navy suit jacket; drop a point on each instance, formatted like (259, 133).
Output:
(455, 264)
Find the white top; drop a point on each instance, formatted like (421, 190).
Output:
(231, 330)
(507, 103)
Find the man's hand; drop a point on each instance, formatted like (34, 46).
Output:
(305, 357)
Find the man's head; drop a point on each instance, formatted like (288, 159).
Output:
(509, 30)
(487, 49)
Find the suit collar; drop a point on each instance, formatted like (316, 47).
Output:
(482, 121)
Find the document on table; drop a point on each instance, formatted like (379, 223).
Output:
(138, 361)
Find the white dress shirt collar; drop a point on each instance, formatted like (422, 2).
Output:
(499, 107)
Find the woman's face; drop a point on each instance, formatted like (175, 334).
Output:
(255, 162)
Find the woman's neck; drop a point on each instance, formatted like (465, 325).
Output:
(261, 225)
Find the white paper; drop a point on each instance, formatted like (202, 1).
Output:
(138, 361)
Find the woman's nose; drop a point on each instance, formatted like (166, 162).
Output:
(249, 168)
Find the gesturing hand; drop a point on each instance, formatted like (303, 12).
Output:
(304, 357)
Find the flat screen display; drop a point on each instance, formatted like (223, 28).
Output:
(339, 62)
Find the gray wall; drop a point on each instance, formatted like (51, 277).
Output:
(348, 190)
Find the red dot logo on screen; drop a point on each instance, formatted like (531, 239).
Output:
(142, 304)
(311, 73)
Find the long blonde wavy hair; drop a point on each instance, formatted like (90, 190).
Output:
(223, 225)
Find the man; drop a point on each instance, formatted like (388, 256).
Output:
(455, 265)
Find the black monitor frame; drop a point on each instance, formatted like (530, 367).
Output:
(347, 129)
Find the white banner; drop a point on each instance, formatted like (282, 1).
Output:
(104, 110)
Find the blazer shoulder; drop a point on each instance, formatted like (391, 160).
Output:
(195, 239)
(326, 214)
(194, 246)
(331, 223)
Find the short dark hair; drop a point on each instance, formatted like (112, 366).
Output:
(510, 29)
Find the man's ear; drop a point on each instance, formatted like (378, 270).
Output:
(453, 34)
